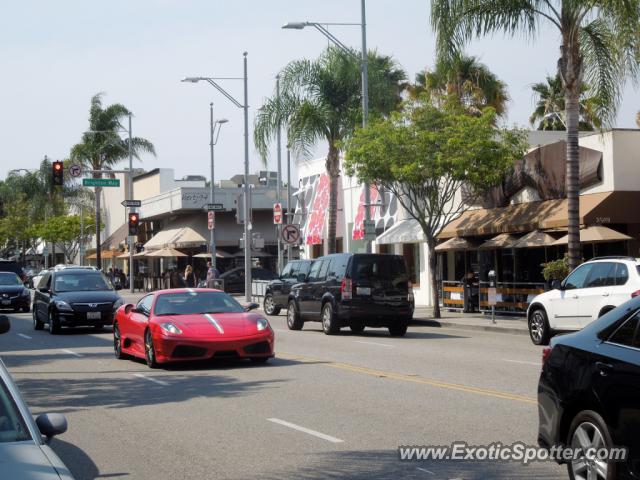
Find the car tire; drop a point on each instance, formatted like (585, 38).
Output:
(329, 321)
(539, 329)
(26, 309)
(16, 310)
(98, 327)
(294, 320)
(37, 324)
(259, 360)
(54, 323)
(590, 426)
(149, 350)
(357, 327)
(399, 328)
(270, 306)
(117, 343)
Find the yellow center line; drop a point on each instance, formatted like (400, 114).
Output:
(414, 379)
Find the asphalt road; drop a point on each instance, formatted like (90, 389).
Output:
(325, 408)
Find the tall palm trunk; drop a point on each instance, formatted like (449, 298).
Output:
(98, 222)
(573, 177)
(333, 169)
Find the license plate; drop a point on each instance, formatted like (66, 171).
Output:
(93, 315)
(6, 302)
(363, 291)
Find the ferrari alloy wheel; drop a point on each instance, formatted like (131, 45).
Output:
(37, 324)
(54, 323)
(117, 342)
(149, 350)
(270, 306)
(329, 320)
(588, 434)
(294, 321)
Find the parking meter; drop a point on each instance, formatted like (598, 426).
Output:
(492, 294)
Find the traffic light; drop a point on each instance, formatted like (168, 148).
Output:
(134, 221)
(58, 173)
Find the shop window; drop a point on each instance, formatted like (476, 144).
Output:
(339, 245)
(411, 254)
(384, 248)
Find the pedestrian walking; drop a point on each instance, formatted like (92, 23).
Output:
(189, 277)
(212, 274)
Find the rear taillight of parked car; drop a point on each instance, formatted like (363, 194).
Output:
(546, 351)
(635, 294)
(410, 292)
(346, 289)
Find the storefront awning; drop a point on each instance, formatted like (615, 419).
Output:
(219, 254)
(166, 253)
(504, 240)
(535, 239)
(596, 234)
(405, 231)
(606, 207)
(456, 243)
(184, 237)
(117, 238)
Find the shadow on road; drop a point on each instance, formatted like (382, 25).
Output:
(384, 464)
(384, 333)
(80, 464)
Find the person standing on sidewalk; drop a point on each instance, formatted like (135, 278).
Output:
(189, 277)
(212, 274)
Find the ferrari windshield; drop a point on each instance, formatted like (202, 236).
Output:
(9, 279)
(187, 303)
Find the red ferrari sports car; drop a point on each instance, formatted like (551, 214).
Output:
(191, 324)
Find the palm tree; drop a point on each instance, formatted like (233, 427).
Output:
(550, 109)
(320, 100)
(598, 44)
(102, 147)
(468, 81)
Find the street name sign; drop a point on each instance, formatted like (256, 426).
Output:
(100, 182)
(291, 234)
(214, 206)
(131, 203)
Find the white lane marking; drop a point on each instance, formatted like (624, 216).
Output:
(535, 364)
(214, 322)
(328, 438)
(374, 343)
(280, 330)
(24, 336)
(425, 470)
(154, 380)
(71, 352)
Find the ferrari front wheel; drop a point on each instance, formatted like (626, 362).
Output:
(149, 350)
(117, 342)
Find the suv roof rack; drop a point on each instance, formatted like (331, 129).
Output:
(615, 257)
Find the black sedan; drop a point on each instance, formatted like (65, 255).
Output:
(74, 297)
(234, 278)
(589, 395)
(13, 293)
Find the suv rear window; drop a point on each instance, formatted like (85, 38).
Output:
(387, 267)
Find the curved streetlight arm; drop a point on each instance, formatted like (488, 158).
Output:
(224, 92)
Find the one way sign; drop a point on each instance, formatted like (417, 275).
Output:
(290, 234)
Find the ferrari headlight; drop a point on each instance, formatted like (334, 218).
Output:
(170, 328)
(118, 303)
(62, 305)
(262, 324)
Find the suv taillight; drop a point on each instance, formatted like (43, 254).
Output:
(346, 289)
(635, 294)
(546, 351)
(410, 292)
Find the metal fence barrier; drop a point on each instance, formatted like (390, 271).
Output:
(511, 297)
(258, 290)
(452, 295)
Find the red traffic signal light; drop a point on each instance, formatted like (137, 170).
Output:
(58, 173)
(134, 221)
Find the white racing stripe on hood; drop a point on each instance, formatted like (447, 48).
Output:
(214, 322)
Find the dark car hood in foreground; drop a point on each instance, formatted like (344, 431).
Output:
(89, 297)
(28, 461)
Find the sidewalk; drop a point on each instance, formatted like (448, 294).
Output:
(471, 321)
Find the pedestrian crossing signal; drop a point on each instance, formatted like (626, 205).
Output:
(58, 173)
(134, 221)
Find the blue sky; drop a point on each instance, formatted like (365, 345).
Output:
(56, 54)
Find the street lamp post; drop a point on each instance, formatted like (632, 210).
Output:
(247, 192)
(365, 85)
(214, 140)
(279, 179)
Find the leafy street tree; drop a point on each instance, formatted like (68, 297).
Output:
(598, 45)
(464, 79)
(550, 109)
(426, 155)
(102, 147)
(66, 231)
(320, 100)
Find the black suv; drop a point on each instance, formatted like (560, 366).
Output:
(354, 290)
(74, 297)
(277, 292)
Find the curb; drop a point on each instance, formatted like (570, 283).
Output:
(464, 326)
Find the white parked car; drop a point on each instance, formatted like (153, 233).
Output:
(590, 291)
